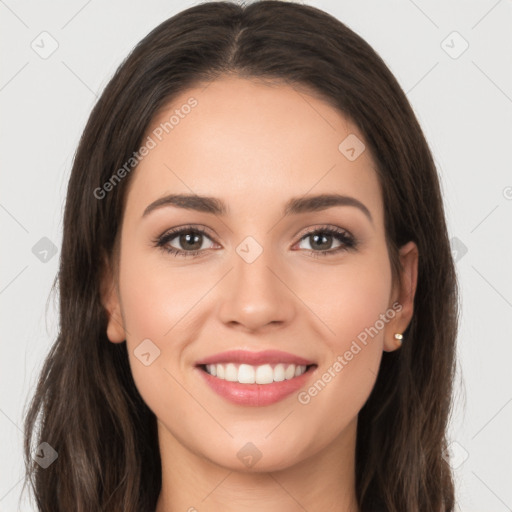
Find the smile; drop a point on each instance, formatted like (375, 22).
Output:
(255, 378)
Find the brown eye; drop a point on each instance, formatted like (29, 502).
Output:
(184, 241)
(190, 241)
(321, 241)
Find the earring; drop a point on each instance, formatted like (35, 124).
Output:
(398, 338)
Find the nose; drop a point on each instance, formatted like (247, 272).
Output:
(255, 295)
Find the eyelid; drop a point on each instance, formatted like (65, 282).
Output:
(325, 227)
(177, 230)
(172, 233)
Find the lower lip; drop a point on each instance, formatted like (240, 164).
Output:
(255, 394)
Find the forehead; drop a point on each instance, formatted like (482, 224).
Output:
(237, 138)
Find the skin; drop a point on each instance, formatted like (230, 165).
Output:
(255, 146)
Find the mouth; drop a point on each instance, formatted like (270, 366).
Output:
(255, 378)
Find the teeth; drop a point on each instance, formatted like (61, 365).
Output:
(279, 373)
(289, 372)
(231, 373)
(264, 374)
(248, 374)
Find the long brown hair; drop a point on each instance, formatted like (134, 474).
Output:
(89, 409)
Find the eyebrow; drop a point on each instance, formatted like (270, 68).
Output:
(294, 206)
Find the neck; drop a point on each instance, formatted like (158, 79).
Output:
(324, 481)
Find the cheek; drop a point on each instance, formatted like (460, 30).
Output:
(157, 298)
(156, 306)
(161, 310)
(350, 298)
(352, 302)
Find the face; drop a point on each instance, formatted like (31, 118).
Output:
(261, 269)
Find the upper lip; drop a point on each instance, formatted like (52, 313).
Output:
(254, 358)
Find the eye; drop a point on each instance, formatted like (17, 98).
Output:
(190, 241)
(320, 241)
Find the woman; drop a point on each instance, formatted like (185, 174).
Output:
(262, 366)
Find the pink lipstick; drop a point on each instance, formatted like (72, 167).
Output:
(255, 378)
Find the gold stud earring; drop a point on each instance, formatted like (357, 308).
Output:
(398, 338)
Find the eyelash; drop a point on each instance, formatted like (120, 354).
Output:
(347, 240)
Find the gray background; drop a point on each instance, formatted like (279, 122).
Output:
(463, 101)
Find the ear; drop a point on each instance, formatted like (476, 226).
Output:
(110, 300)
(403, 296)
